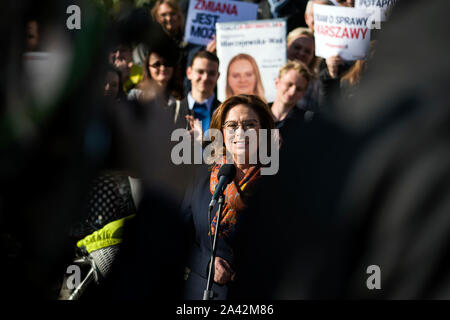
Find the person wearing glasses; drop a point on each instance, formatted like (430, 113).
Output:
(237, 118)
(169, 14)
(161, 77)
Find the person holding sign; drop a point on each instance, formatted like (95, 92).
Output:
(301, 47)
(243, 77)
(335, 79)
(169, 15)
(309, 12)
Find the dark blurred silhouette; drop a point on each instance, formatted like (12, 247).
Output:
(368, 184)
(370, 187)
(55, 142)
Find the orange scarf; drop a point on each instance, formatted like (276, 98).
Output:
(235, 198)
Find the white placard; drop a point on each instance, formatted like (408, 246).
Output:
(262, 40)
(204, 14)
(341, 31)
(379, 9)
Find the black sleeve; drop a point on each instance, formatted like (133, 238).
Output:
(186, 213)
(328, 88)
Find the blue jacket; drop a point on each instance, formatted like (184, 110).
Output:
(195, 216)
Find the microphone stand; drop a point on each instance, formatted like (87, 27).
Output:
(208, 293)
(92, 275)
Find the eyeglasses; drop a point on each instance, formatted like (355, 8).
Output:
(232, 126)
(158, 64)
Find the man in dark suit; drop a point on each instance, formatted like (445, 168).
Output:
(201, 101)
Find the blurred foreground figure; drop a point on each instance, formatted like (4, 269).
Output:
(57, 132)
(373, 189)
(397, 201)
(368, 186)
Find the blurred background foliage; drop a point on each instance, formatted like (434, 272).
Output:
(113, 7)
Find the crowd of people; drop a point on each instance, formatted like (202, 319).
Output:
(181, 80)
(187, 85)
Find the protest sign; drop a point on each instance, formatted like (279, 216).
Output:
(251, 54)
(204, 14)
(379, 9)
(341, 31)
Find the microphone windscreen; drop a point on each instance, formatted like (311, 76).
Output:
(104, 258)
(228, 170)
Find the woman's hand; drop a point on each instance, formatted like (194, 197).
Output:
(223, 272)
(195, 128)
(123, 67)
(333, 64)
(211, 47)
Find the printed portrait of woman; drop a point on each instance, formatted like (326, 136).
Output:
(243, 77)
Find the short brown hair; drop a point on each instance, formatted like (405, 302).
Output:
(175, 85)
(252, 101)
(206, 55)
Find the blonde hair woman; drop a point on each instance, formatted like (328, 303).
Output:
(169, 15)
(243, 77)
(301, 47)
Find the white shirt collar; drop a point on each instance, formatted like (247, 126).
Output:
(208, 101)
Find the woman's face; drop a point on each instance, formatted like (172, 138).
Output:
(242, 77)
(241, 134)
(169, 19)
(301, 49)
(159, 70)
(111, 84)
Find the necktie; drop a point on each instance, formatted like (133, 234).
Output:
(201, 112)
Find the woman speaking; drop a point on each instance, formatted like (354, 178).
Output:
(237, 118)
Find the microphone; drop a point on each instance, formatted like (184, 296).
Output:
(99, 251)
(100, 261)
(226, 174)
